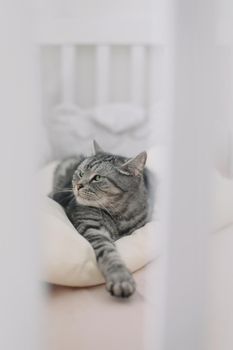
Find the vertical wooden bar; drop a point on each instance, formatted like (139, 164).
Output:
(68, 73)
(137, 76)
(102, 74)
(155, 81)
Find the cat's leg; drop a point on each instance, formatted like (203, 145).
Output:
(119, 281)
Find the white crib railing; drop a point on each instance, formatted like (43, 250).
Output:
(138, 36)
(143, 79)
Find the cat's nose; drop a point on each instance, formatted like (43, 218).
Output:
(78, 186)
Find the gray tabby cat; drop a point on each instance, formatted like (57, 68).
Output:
(105, 196)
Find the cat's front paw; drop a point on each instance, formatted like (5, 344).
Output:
(121, 284)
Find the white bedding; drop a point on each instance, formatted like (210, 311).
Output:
(68, 259)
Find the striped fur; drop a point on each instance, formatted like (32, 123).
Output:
(106, 197)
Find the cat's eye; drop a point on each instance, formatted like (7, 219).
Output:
(80, 174)
(97, 178)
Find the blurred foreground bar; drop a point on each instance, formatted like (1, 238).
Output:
(188, 201)
(19, 292)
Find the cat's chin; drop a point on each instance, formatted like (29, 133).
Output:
(87, 202)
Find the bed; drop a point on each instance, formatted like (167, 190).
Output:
(88, 318)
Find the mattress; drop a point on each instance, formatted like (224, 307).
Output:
(89, 318)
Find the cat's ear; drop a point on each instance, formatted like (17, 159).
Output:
(96, 148)
(135, 165)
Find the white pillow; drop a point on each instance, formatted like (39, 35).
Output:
(68, 259)
(119, 117)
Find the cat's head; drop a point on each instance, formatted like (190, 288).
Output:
(104, 179)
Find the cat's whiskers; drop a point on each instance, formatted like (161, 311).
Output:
(64, 191)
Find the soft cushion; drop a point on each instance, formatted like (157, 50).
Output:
(68, 259)
(118, 118)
